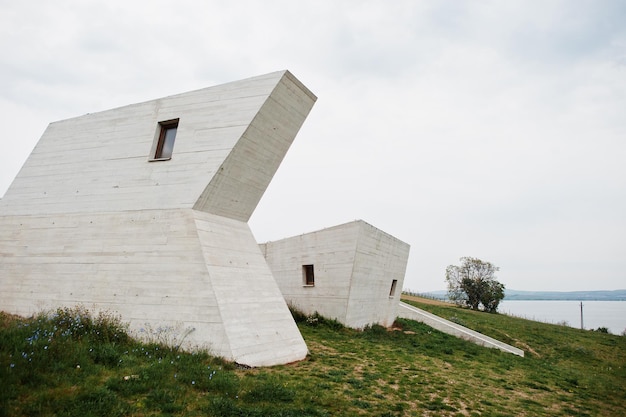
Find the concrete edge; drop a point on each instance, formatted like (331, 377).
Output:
(413, 313)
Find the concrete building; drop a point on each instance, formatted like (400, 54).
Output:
(143, 211)
(352, 272)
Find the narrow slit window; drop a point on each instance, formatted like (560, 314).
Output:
(167, 136)
(392, 292)
(308, 275)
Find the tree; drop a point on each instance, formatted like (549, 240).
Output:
(473, 284)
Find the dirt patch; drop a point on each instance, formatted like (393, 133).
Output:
(315, 347)
(527, 348)
(425, 300)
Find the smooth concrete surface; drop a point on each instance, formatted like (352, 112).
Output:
(413, 313)
(355, 266)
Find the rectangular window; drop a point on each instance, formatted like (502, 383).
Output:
(307, 275)
(392, 292)
(165, 143)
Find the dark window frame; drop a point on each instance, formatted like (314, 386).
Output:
(165, 127)
(308, 275)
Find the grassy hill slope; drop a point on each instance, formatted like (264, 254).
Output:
(73, 364)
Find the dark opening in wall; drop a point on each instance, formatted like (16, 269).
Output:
(308, 277)
(392, 292)
(165, 143)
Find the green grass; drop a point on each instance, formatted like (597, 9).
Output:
(70, 363)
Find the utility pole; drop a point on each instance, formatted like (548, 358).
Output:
(581, 316)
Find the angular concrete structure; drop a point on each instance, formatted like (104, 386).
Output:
(352, 273)
(143, 210)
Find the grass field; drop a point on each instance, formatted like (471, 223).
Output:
(70, 363)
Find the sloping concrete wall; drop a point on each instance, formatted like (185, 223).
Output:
(240, 181)
(258, 325)
(354, 266)
(413, 313)
(98, 162)
(90, 220)
(380, 260)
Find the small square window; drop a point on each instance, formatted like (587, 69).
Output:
(165, 143)
(392, 292)
(308, 276)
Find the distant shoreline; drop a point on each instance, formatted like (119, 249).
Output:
(512, 295)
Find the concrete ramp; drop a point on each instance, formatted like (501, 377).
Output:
(407, 311)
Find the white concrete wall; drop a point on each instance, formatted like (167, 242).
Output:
(257, 322)
(380, 259)
(153, 272)
(241, 180)
(98, 162)
(332, 252)
(355, 264)
(90, 220)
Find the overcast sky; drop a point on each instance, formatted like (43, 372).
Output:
(491, 129)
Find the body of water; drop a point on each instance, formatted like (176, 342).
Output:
(609, 314)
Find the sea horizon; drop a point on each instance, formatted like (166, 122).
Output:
(512, 294)
(596, 314)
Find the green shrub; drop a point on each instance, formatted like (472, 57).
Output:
(78, 322)
(314, 319)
